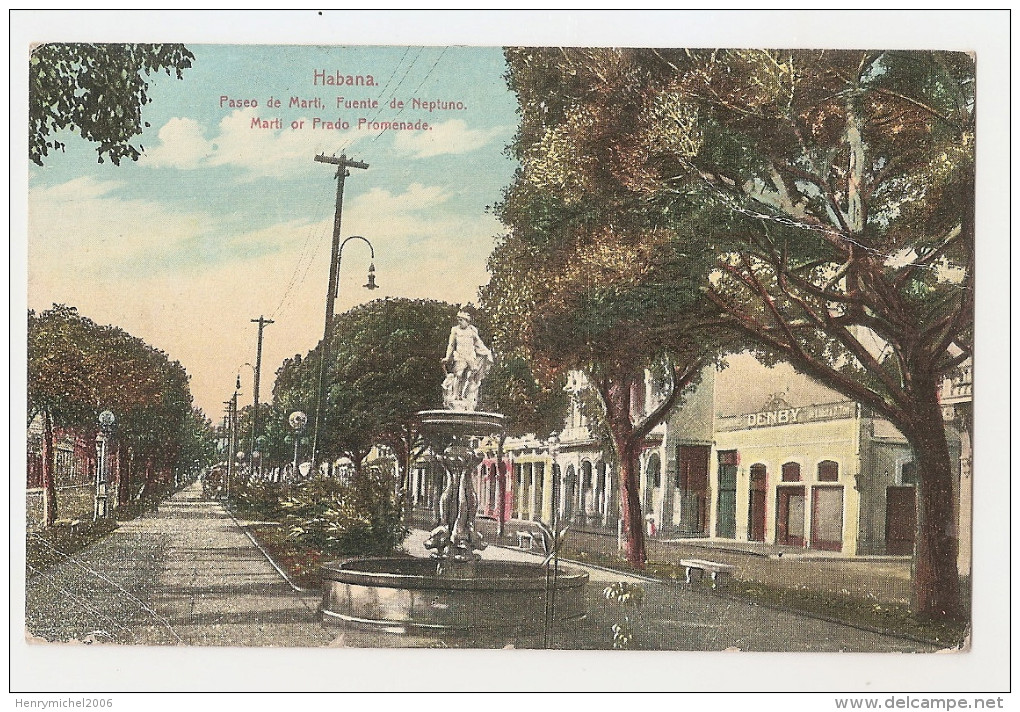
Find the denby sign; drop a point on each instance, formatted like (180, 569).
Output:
(773, 417)
(788, 416)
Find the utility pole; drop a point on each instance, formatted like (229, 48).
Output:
(228, 429)
(261, 321)
(342, 163)
(232, 442)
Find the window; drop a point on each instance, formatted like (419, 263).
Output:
(652, 472)
(828, 471)
(758, 473)
(908, 475)
(791, 472)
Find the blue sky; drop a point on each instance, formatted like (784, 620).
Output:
(220, 222)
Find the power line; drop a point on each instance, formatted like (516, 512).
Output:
(425, 79)
(382, 94)
(294, 280)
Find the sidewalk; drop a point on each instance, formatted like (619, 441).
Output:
(187, 575)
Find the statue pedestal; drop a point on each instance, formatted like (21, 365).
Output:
(450, 434)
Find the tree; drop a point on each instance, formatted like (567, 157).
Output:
(587, 279)
(532, 403)
(385, 367)
(77, 368)
(837, 188)
(586, 318)
(96, 90)
(59, 384)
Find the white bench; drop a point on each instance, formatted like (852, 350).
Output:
(525, 540)
(714, 568)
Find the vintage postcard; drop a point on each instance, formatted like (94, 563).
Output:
(511, 346)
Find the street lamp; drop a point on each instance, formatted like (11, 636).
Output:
(332, 293)
(553, 448)
(298, 420)
(106, 422)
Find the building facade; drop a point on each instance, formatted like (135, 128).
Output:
(827, 476)
(753, 454)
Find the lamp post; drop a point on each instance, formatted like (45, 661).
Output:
(232, 442)
(553, 448)
(298, 420)
(253, 425)
(256, 456)
(106, 422)
(331, 295)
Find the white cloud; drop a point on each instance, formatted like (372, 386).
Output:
(256, 151)
(451, 137)
(416, 197)
(80, 228)
(181, 145)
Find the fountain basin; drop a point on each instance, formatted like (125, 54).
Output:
(461, 422)
(403, 595)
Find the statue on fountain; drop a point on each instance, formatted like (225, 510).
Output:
(470, 359)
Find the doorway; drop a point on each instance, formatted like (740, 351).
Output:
(756, 508)
(726, 514)
(827, 518)
(790, 516)
(692, 480)
(900, 520)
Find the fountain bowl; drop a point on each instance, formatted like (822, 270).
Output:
(403, 595)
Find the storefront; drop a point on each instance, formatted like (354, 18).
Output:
(810, 476)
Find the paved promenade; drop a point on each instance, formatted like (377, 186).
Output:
(189, 575)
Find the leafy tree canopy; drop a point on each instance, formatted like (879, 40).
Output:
(97, 91)
(77, 368)
(385, 366)
(836, 189)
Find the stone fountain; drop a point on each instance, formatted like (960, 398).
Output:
(454, 591)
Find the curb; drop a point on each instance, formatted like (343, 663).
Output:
(270, 559)
(584, 564)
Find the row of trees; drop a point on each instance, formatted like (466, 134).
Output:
(385, 366)
(78, 368)
(814, 206)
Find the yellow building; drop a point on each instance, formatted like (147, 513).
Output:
(790, 475)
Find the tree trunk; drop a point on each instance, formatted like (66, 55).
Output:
(48, 475)
(124, 483)
(936, 577)
(616, 395)
(630, 506)
(149, 484)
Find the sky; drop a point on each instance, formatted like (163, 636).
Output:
(222, 221)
